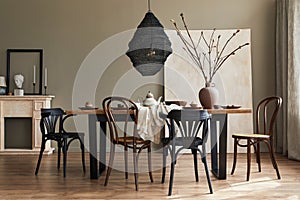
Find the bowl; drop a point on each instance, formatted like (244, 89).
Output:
(194, 105)
(177, 102)
(88, 104)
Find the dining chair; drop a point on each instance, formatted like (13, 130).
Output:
(52, 128)
(266, 114)
(125, 133)
(188, 129)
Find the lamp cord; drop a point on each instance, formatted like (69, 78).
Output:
(149, 5)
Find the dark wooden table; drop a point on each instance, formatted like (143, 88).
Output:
(218, 160)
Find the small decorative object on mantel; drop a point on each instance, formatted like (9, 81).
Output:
(19, 79)
(150, 46)
(2, 85)
(209, 60)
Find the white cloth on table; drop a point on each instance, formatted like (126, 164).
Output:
(149, 122)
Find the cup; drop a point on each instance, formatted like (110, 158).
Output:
(88, 104)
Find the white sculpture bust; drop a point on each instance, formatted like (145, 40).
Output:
(19, 79)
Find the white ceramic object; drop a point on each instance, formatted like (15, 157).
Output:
(88, 104)
(150, 100)
(18, 92)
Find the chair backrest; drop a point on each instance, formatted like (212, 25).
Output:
(189, 123)
(52, 118)
(266, 113)
(124, 110)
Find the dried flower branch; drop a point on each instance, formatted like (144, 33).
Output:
(213, 56)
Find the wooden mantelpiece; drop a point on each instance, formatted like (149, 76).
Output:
(24, 106)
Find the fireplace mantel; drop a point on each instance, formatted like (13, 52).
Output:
(24, 106)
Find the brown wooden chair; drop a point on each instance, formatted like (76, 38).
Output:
(266, 113)
(125, 134)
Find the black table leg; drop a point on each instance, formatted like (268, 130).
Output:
(102, 161)
(93, 146)
(218, 163)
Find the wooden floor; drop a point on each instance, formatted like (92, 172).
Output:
(17, 181)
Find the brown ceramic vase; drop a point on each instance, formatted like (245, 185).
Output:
(208, 96)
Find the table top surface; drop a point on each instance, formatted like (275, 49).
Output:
(212, 111)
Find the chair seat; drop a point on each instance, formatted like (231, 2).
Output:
(73, 134)
(57, 136)
(191, 143)
(250, 136)
(129, 140)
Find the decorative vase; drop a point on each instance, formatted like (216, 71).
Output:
(208, 96)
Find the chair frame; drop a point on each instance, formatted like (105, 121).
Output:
(264, 133)
(128, 141)
(188, 123)
(53, 119)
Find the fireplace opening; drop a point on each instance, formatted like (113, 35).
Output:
(18, 132)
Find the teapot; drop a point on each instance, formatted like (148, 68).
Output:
(150, 101)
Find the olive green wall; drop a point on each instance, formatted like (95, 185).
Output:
(68, 30)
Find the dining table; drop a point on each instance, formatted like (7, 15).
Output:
(218, 145)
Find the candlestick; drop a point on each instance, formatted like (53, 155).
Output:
(46, 81)
(33, 90)
(34, 75)
(45, 87)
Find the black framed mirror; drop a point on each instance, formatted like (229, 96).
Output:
(29, 63)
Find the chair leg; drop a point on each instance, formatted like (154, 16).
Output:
(40, 158)
(248, 159)
(171, 177)
(126, 161)
(65, 149)
(135, 166)
(234, 155)
(82, 152)
(194, 152)
(258, 156)
(59, 146)
(173, 162)
(272, 155)
(110, 164)
(150, 163)
(164, 157)
(207, 174)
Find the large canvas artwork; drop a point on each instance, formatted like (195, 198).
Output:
(183, 79)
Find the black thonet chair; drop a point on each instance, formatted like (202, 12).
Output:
(188, 129)
(266, 114)
(51, 126)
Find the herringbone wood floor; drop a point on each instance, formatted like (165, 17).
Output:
(17, 180)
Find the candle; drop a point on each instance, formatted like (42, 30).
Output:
(46, 77)
(33, 74)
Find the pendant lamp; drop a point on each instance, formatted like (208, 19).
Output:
(150, 46)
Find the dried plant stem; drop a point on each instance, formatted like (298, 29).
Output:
(213, 49)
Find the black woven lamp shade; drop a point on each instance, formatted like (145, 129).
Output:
(149, 47)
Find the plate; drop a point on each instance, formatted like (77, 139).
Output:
(88, 108)
(231, 107)
(198, 107)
